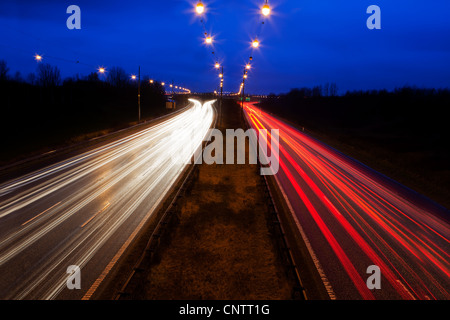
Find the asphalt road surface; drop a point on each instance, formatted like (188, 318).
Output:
(85, 211)
(352, 217)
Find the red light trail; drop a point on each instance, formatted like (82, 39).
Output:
(353, 219)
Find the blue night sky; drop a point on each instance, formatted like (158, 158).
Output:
(304, 43)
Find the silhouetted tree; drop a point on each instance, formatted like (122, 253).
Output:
(93, 76)
(48, 76)
(326, 89)
(3, 70)
(333, 90)
(117, 77)
(18, 77)
(317, 91)
(31, 78)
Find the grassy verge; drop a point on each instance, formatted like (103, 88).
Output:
(222, 247)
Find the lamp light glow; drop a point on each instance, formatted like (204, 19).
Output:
(200, 8)
(265, 9)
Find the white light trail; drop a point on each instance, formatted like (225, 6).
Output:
(131, 175)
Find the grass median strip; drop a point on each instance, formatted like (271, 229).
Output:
(222, 247)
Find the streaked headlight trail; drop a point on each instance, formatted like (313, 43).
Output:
(353, 217)
(81, 211)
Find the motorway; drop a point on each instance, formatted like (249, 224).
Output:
(352, 217)
(84, 211)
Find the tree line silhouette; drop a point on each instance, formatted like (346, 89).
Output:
(413, 112)
(405, 129)
(44, 109)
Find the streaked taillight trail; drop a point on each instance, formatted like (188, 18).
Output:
(354, 217)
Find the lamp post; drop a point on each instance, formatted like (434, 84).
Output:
(200, 8)
(139, 94)
(221, 87)
(133, 77)
(221, 92)
(265, 9)
(243, 87)
(173, 97)
(242, 101)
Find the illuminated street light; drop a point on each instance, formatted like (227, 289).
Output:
(245, 76)
(255, 43)
(200, 8)
(37, 57)
(265, 9)
(163, 83)
(217, 65)
(220, 75)
(248, 66)
(208, 40)
(151, 81)
(101, 70)
(138, 78)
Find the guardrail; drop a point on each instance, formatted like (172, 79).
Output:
(147, 257)
(284, 249)
(166, 220)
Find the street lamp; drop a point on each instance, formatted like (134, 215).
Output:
(217, 65)
(200, 8)
(133, 77)
(221, 94)
(37, 57)
(265, 9)
(208, 40)
(255, 43)
(173, 96)
(101, 70)
(248, 66)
